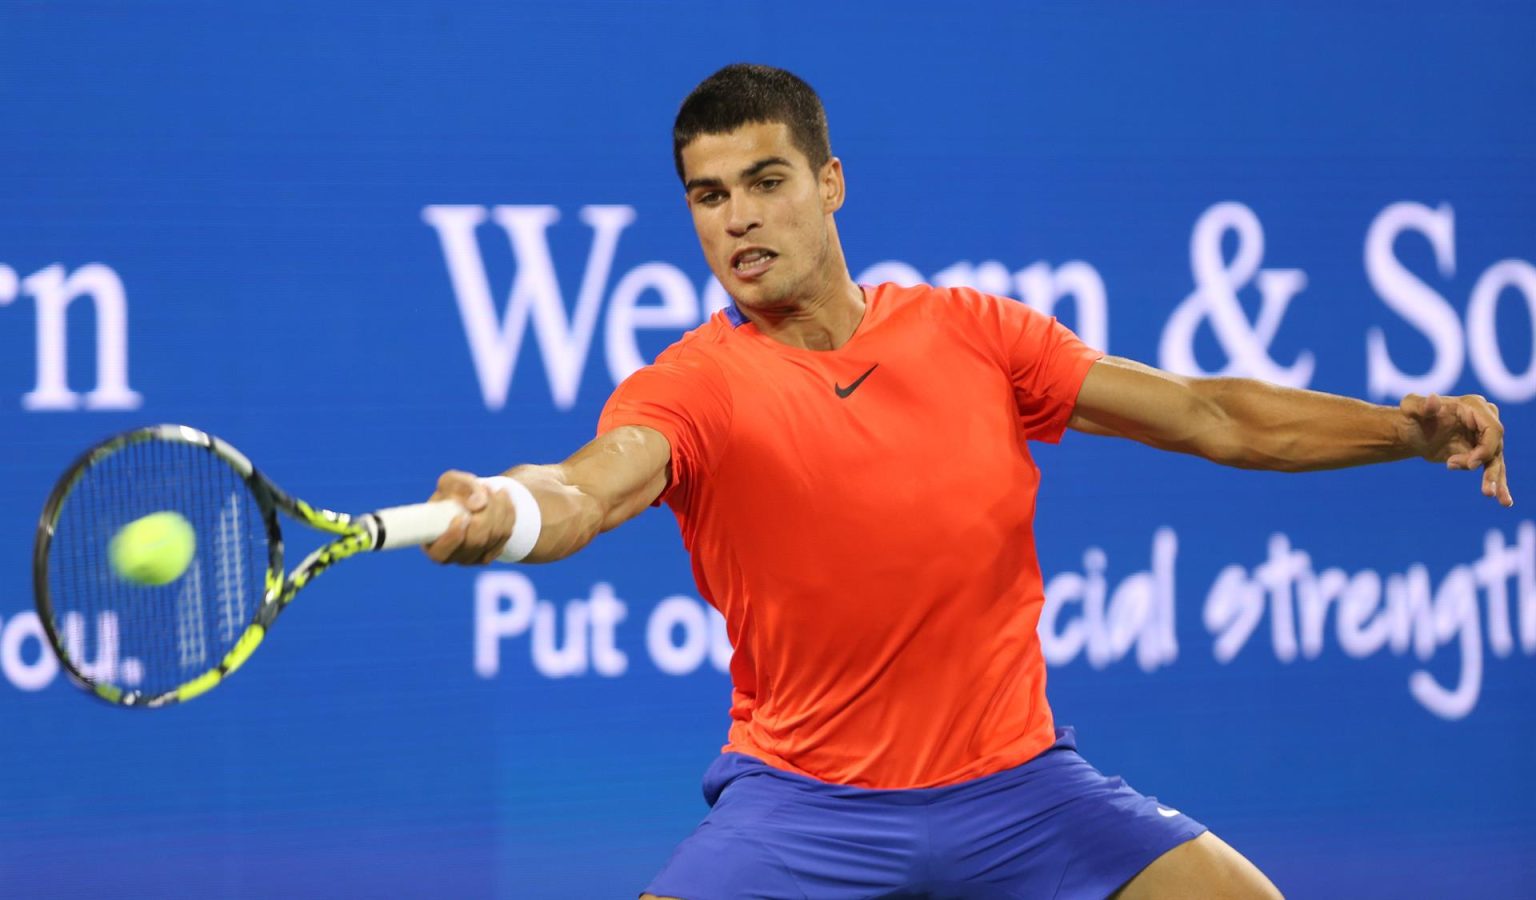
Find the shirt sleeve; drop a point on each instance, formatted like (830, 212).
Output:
(684, 396)
(1045, 361)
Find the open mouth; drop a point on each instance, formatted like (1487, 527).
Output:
(752, 262)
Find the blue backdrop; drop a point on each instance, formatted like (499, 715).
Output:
(368, 242)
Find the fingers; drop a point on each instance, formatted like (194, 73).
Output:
(487, 530)
(448, 543)
(1481, 445)
(477, 536)
(1470, 433)
(1496, 482)
(464, 487)
(1459, 451)
(1481, 421)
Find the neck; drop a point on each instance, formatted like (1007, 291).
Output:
(824, 321)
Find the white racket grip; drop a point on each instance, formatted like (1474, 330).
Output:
(414, 525)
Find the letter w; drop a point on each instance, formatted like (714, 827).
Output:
(563, 339)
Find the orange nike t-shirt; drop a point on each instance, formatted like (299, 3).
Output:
(862, 517)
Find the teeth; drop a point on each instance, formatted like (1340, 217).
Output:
(752, 258)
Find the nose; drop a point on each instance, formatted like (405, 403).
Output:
(742, 217)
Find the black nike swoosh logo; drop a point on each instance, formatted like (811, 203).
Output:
(843, 392)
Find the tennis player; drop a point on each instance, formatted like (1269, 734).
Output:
(850, 468)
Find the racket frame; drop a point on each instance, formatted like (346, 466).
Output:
(353, 535)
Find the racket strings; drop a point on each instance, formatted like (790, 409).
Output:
(148, 638)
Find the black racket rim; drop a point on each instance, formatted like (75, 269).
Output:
(266, 496)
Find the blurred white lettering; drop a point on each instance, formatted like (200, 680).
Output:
(1140, 612)
(563, 338)
(105, 666)
(568, 639)
(1412, 299)
(507, 606)
(1433, 316)
(503, 608)
(1215, 300)
(701, 632)
(677, 635)
(564, 335)
(679, 311)
(1405, 610)
(28, 675)
(54, 291)
(564, 332)
(606, 612)
(1086, 615)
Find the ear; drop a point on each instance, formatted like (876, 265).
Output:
(833, 188)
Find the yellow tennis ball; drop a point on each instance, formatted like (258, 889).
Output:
(153, 550)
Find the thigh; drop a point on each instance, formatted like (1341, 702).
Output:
(1205, 867)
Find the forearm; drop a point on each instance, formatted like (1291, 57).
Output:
(1263, 426)
(599, 487)
(570, 518)
(1253, 425)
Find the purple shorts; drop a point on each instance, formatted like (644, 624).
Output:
(1052, 827)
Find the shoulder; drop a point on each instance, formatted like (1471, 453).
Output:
(959, 310)
(932, 300)
(698, 351)
(685, 371)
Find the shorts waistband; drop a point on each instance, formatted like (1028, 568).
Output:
(729, 767)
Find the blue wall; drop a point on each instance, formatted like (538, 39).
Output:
(300, 226)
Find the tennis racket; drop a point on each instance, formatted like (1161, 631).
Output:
(152, 645)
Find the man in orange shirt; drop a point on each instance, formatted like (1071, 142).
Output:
(849, 466)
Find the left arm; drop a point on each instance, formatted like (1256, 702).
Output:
(1253, 425)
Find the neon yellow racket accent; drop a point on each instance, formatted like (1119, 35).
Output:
(232, 660)
(200, 685)
(244, 648)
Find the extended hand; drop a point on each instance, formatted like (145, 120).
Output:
(476, 537)
(1464, 433)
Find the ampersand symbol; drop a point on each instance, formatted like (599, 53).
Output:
(1215, 298)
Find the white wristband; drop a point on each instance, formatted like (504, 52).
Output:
(529, 521)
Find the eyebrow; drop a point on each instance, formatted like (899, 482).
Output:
(746, 173)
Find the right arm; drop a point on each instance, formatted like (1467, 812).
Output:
(599, 487)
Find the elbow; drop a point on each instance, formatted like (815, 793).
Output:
(1229, 450)
(1228, 437)
(1228, 442)
(1219, 437)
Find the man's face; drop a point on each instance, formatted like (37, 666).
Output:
(763, 216)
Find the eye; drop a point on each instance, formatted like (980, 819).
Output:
(769, 184)
(709, 198)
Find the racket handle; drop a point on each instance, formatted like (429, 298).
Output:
(413, 525)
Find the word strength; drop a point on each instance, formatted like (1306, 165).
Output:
(1105, 614)
(1375, 612)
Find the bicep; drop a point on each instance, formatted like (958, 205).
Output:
(1124, 398)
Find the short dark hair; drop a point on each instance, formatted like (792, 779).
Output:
(744, 93)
